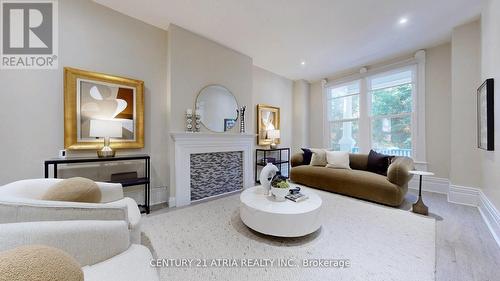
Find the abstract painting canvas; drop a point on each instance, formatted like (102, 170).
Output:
(95, 96)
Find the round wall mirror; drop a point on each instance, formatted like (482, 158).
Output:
(217, 108)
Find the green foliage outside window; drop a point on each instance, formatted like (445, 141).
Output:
(392, 132)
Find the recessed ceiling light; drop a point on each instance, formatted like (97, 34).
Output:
(403, 20)
(302, 63)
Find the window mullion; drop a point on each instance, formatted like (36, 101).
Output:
(364, 120)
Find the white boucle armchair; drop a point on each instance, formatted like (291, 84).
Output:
(102, 248)
(20, 202)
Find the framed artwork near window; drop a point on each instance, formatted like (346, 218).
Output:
(91, 96)
(485, 116)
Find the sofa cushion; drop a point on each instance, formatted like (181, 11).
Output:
(306, 156)
(378, 162)
(337, 160)
(38, 262)
(318, 157)
(74, 190)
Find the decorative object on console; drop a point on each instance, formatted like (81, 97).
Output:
(215, 104)
(486, 116)
(268, 118)
(105, 129)
(273, 135)
(419, 206)
(62, 153)
(241, 113)
(268, 172)
(189, 120)
(91, 96)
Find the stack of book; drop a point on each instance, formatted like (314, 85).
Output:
(296, 197)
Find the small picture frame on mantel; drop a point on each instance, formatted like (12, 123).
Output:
(486, 116)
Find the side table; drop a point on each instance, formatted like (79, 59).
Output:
(145, 180)
(419, 206)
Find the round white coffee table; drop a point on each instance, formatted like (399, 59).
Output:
(264, 214)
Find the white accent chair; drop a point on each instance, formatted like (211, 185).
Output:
(20, 201)
(102, 248)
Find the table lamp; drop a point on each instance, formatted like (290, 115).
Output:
(105, 129)
(273, 135)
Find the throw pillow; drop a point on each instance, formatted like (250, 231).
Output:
(378, 162)
(74, 190)
(38, 262)
(337, 160)
(307, 156)
(318, 157)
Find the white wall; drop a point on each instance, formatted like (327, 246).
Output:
(300, 115)
(465, 168)
(95, 38)
(316, 115)
(196, 62)
(274, 90)
(438, 109)
(491, 69)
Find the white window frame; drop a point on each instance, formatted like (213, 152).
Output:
(341, 121)
(417, 63)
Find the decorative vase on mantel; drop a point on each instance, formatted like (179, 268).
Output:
(189, 120)
(241, 113)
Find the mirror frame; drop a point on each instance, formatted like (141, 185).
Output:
(237, 107)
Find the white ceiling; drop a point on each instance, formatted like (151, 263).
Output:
(329, 35)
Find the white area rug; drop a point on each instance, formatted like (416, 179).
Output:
(381, 243)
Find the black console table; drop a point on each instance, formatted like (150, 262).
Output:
(274, 156)
(125, 182)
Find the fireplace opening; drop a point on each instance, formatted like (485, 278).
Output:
(215, 173)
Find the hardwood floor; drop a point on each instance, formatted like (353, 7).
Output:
(465, 248)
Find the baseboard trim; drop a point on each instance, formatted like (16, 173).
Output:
(431, 184)
(171, 202)
(490, 215)
(463, 195)
(158, 194)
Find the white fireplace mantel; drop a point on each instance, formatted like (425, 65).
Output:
(186, 144)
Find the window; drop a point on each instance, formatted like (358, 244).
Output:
(391, 99)
(375, 112)
(343, 116)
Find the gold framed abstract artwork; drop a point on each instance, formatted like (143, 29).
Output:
(268, 118)
(91, 97)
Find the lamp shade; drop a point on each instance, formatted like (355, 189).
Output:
(105, 128)
(273, 134)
